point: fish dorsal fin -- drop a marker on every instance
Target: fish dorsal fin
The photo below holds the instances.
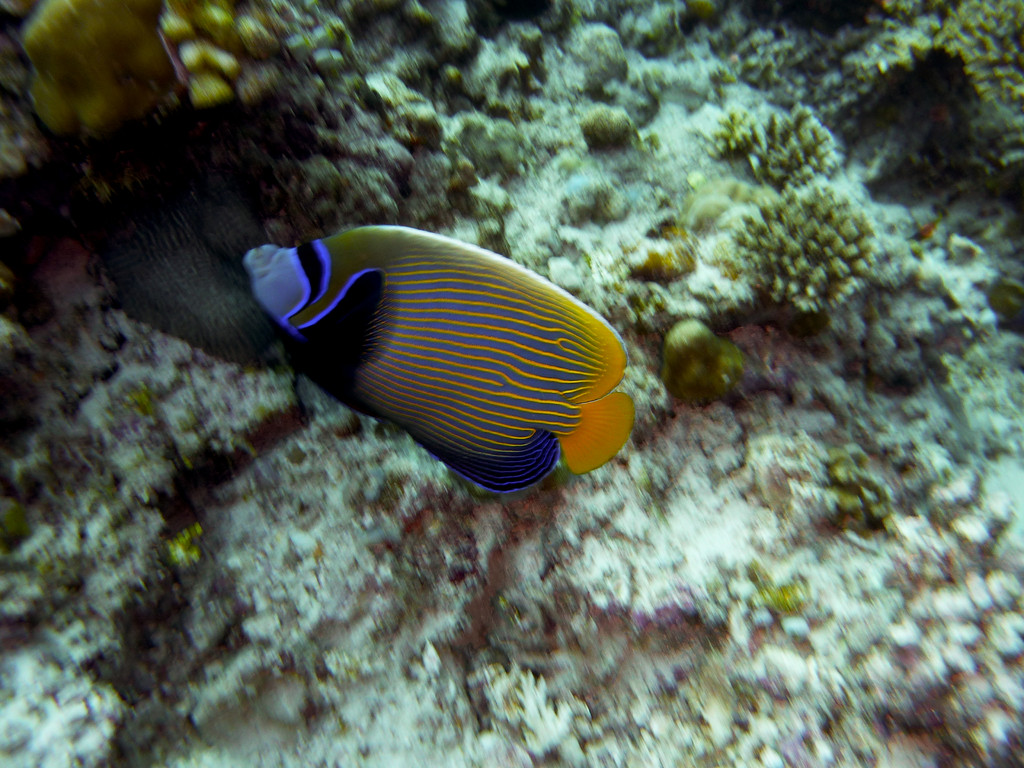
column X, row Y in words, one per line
column 607, row 355
column 604, row 427
column 590, row 335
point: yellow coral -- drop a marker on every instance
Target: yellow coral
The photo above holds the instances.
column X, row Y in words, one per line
column 667, row 259
column 201, row 56
column 176, row 28
column 697, row 365
column 257, row 40
column 98, row 63
column 183, row 550
column 213, row 19
column 211, row 42
column 208, row 89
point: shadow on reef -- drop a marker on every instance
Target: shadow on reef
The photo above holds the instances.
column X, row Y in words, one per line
column 169, row 221
column 931, row 109
column 827, row 16
column 178, row 268
column 488, row 15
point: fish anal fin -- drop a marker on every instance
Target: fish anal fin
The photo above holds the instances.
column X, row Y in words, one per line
column 505, row 473
column 604, row 427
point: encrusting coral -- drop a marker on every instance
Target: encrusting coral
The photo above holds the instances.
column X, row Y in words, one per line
column 606, row 127
column 713, row 203
column 861, row 498
column 666, row 258
column 98, row 63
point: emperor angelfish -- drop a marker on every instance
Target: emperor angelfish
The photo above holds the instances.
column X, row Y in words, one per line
column 491, row 368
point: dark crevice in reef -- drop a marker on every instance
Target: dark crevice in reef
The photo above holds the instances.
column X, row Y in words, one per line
column 151, row 672
column 931, row 109
column 196, row 485
column 826, row 16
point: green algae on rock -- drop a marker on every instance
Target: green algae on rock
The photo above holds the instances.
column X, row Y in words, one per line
column 606, row 127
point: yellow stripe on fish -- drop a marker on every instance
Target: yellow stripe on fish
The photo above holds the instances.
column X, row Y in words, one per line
column 486, row 364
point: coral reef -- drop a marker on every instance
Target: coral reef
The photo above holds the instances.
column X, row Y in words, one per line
column 664, row 259
column 211, row 36
column 605, row 127
column 717, row 202
column 1007, row 300
column 521, row 704
column 209, row 562
column 601, row 56
column 862, row 501
column 785, row 150
column 985, row 37
column 22, row 145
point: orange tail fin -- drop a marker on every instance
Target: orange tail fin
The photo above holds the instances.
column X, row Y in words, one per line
column 604, row 427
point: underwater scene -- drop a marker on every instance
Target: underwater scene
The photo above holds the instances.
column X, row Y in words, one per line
column 496, row 384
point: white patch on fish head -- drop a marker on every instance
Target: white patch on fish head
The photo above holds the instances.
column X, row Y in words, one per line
column 278, row 281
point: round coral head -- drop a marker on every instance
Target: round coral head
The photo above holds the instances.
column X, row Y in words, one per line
column 98, row 63
column 698, row 365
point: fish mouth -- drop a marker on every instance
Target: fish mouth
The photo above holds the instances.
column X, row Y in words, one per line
column 258, row 262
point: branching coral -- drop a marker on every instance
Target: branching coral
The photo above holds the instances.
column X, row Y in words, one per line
column 987, row 37
column 737, row 132
column 785, row 150
column 521, row 704
column 210, row 37
column 794, row 148
column 808, row 248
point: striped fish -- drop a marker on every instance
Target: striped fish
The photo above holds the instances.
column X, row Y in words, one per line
column 491, row 368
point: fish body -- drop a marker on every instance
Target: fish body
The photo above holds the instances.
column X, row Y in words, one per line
column 491, row 368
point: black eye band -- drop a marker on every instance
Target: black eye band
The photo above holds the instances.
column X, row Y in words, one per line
column 312, row 266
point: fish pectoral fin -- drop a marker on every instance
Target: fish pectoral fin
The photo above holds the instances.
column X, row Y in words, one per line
column 604, row 427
